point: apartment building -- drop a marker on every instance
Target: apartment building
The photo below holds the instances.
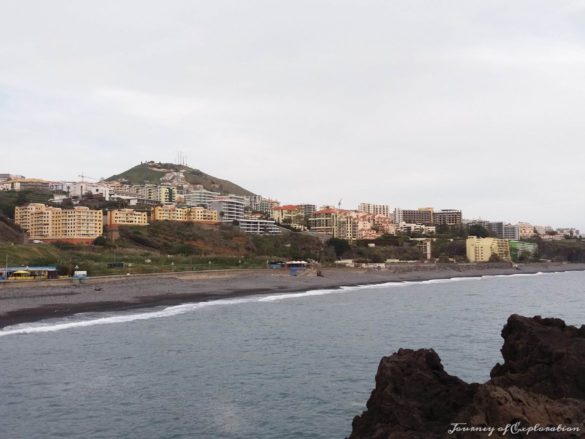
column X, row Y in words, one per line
column 422, row 216
column 255, row 226
column 202, row 215
column 4, row 177
column 447, row 217
column 81, row 188
column 55, row 224
column 171, row 212
column 152, row 192
column 346, row 226
column 230, row 207
column 525, row 230
column 126, row 217
column 201, row 197
column 416, row 228
column 482, row 249
column 307, row 209
column 24, row 184
column 511, row 232
column 324, row 220
column 287, row 214
column 374, row 209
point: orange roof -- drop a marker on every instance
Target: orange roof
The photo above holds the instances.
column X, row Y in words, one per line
column 286, row 207
column 332, row 211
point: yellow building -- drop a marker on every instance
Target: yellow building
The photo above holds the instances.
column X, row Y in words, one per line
column 126, row 217
column 202, row 215
column 482, row 249
column 55, row 224
column 184, row 214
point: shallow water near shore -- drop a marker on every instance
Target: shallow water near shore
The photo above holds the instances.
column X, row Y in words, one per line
column 294, row 365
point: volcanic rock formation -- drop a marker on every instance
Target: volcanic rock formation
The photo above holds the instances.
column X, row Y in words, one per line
column 540, row 386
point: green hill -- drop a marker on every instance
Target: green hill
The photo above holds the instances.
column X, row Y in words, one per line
column 152, row 173
column 10, row 232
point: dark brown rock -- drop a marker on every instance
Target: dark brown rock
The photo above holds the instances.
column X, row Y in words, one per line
column 541, row 383
column 408, row 385
column 544, row 356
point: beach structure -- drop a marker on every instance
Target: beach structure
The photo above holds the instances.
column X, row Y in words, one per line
column 28, row 273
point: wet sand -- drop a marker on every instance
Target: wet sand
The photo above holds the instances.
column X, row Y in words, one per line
column 31, row 301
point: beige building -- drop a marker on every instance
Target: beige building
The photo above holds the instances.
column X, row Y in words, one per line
column 55, row 224
column 350, row 225
column 288, row 214
column 185, row 214
column 325, row 220
column 202, row 215
column 374, row 209
column 526, row 230
column 482, row 249
column 126, row 217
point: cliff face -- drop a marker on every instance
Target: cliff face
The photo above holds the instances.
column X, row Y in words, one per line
column 542, row 382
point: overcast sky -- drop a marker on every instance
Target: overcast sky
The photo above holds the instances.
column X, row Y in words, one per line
column 477, row 105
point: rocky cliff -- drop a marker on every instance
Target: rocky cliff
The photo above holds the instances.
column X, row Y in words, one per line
column 539, row 391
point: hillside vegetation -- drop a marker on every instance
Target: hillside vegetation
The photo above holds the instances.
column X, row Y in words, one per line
column 152, row 173
column 166, row 246
column 10, row 199
column 10, row 232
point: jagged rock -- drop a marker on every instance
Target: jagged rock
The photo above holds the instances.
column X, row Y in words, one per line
column 540, row 383
column 544, row 356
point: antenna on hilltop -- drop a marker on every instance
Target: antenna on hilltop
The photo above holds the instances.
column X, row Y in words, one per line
column 181, row 159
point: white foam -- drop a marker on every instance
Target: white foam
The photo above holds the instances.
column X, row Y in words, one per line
column 297, row 295
column 42, row 327
column 125, row 318
column 539, row 273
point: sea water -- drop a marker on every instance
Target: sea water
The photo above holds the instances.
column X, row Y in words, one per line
column 297, row 365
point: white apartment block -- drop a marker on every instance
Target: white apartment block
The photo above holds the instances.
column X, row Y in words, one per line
column 255, row 226
column 230, row 207
column 81, row 188
column 201, row 197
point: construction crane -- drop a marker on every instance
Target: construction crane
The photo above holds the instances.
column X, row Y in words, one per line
column 339, row 204
column 83, row 177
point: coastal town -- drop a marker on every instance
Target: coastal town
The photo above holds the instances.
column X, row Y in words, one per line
column 90, row 211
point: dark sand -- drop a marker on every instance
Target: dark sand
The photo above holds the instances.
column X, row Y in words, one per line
column 35, row 300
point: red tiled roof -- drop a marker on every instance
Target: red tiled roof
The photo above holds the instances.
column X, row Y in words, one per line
column 286, row 207
column 332, row 211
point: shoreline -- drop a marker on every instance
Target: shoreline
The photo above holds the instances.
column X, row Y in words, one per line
column 33, row 301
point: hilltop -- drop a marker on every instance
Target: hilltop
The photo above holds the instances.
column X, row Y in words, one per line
column 156, row 173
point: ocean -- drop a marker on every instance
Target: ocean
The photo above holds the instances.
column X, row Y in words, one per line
column 289, row 366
